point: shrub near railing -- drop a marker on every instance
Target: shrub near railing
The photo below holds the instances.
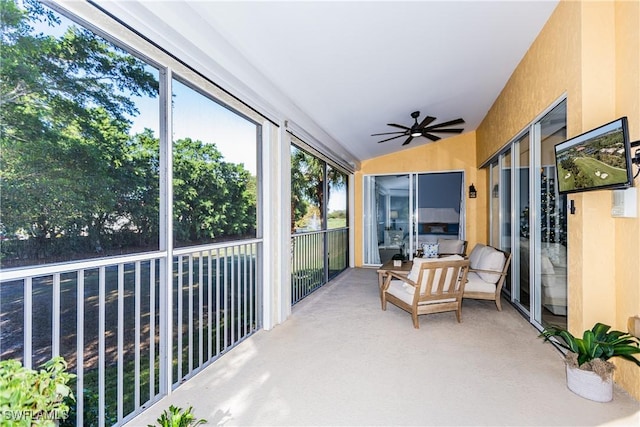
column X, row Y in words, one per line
column 19, row 253
column 29, row 397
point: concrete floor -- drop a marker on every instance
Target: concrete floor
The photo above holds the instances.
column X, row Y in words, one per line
column 341, row 361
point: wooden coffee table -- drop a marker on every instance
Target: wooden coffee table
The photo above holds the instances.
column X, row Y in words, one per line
column 388, row 266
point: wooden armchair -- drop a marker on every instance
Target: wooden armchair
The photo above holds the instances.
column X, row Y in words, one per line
column 434, row 285
column 488, row 270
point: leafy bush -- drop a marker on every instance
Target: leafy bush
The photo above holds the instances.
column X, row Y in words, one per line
column 29, row 397
column 178, row 417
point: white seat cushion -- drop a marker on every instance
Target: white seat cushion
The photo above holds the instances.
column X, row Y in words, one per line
column 401, row 290
column 476, row 284
column 404, row 292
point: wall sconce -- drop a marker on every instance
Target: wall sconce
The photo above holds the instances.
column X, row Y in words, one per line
column 472, row 192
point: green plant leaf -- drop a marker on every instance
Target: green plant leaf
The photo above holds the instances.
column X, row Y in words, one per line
column 598, row 343
column 178, row 417
column 600, row 330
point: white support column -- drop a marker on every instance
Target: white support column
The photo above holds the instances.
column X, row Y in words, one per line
column 269, row 267
column 352, row 221
column 166, row 233
column 276, row 277
column 284, row 225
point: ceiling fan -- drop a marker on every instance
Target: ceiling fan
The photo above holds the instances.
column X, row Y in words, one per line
column 421, row 129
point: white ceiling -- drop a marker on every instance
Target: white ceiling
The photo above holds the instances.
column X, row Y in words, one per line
column 346, row 68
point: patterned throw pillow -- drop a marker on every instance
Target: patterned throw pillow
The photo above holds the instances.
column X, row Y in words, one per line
column 430, row 250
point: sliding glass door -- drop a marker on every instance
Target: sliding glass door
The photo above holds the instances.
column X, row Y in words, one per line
column 551, row 229
column 403, row 211
column 387, row 218
column 528, row 219
column 439, row 207
column 505, row 211
column 522, row 233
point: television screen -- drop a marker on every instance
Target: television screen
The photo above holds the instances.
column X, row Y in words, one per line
column 596, row 160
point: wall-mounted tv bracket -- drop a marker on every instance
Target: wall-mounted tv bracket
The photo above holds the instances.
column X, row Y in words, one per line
column 636, row 156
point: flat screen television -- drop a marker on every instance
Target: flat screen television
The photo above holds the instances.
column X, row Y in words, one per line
column 596, row 160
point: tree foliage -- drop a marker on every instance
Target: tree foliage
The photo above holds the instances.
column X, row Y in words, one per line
column 210, row 194
column 307, row 185
column 73, row 176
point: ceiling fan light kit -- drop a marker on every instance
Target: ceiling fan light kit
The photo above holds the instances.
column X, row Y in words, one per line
column 421, row 129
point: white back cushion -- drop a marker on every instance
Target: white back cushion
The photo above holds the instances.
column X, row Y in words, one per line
column 450, row 246
column 493, row 260
column 417, row 265
column 476, row 253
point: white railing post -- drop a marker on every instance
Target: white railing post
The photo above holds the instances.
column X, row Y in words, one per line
column 28, row 322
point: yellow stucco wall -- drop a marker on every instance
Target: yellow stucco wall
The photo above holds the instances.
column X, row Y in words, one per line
column 627, row 237
column 452, row 154
column 589, row 51
column 550, row 68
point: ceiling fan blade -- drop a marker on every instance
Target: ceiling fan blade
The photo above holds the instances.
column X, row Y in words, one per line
column 449, row 123
column 389, row 139
column 426, row 121
column 431, row 137
column 408, row 140
column 454, row 130
column 387, row 133
column 397, row 126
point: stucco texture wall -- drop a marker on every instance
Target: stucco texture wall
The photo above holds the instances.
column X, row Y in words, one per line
column 627, row 231
column 590, row 52
column 451, row 154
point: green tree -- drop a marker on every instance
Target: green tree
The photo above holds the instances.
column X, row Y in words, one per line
column 64, row 108
column 212, row 198
column 307, row 184
column 68, row 163
column 569, row 165
column 140, row 201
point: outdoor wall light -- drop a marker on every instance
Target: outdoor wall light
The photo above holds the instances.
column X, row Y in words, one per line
column 472, row 192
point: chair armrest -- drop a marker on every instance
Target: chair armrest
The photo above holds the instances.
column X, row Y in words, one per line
column 476, row 270
column 393, row 274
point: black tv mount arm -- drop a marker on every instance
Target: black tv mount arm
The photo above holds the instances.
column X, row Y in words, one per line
column 636, row 156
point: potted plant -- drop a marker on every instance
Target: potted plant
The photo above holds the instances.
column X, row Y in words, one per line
column 178, row 417
column 589, row 371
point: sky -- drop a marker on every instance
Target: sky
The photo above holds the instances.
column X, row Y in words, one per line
column 200, row 118
column 194, row 115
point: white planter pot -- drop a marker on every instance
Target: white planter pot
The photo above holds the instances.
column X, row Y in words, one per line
column 589, row 385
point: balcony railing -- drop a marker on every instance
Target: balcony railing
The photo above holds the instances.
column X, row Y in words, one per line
column 316, row 257
column 109, row 318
